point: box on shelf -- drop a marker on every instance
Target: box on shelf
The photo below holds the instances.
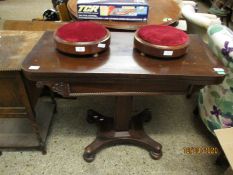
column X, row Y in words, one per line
column 124, row 10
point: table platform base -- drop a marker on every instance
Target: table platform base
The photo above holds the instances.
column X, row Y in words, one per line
column 108, row 136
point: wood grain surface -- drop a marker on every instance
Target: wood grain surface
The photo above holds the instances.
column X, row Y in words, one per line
column 123, row 63
column 14, row 47
column 31, row 25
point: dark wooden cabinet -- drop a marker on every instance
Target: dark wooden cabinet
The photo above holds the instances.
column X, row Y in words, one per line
column 22, row 125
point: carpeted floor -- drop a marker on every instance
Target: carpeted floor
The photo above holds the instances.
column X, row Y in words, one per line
column 173, row 125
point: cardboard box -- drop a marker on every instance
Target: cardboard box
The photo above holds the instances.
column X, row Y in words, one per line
column 124, row 10
column 225, row 138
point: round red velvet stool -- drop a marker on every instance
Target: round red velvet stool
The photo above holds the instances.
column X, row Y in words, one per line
column 161, row 41
column 82, row 38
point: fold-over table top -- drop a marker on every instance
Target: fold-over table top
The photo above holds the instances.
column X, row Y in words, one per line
column 122, row 62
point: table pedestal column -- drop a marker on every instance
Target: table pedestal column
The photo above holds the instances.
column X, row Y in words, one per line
column 122, row 129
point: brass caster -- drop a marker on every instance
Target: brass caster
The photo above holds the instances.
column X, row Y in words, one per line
column 155, row 155
column 88, row 157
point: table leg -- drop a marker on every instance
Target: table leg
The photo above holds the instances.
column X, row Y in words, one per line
column 122, row 129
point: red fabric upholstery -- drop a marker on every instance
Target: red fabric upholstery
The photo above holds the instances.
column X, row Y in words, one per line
column 162, row 35
column 81, row 32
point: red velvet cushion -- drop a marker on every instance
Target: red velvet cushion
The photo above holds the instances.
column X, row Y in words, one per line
column 81, row 32
column 162, row 35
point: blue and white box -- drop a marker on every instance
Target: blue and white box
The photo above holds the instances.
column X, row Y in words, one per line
column 124, row 10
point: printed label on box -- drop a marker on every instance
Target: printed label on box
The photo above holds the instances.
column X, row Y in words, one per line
column 127, row 10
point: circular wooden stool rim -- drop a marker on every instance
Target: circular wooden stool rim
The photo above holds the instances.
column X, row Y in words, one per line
column 144, row 46
column 160, row 46
column 60, row 40
column 86, row 48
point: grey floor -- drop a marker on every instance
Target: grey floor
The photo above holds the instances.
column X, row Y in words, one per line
column 173, row 125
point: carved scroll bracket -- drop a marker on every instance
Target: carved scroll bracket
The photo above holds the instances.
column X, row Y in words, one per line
column 61, row 88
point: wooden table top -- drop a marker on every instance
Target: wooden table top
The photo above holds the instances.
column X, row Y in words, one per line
column 158, row 11
column 122, row 62
column 14, row 47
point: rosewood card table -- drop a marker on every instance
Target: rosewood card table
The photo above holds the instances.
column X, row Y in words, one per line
column 122, row 72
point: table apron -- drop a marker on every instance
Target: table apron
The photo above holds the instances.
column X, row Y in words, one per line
column 72, row 89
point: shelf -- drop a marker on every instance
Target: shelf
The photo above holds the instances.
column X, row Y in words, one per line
column 17, row 133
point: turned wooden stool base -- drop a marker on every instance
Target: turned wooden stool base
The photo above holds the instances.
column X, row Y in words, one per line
column 160, row 51
column 81, row 48
column 108, row 136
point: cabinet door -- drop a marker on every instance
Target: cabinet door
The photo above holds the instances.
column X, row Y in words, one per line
column 11, row 95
